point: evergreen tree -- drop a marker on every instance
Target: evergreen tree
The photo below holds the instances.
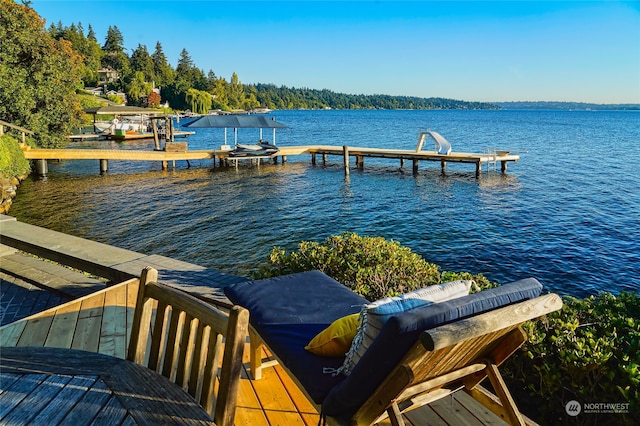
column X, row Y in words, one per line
column 114, row 54
column 220, row 99
column 114, row 41
column 91, row 35
column 38, row 77
column 141, row 62
column 235, row 93
column 92, row 56
column 162, row 71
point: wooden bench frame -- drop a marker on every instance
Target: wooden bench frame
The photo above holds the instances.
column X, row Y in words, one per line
column 187, row 341
column 448, row 358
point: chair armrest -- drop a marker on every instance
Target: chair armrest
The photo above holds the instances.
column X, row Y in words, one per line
column 508, row 316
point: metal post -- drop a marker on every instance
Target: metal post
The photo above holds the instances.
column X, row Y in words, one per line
column 104, row 166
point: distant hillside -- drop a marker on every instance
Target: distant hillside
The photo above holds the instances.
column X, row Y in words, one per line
column 283, row 97
column 565, row 105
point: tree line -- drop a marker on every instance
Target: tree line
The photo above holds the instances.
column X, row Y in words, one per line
column 189, row 87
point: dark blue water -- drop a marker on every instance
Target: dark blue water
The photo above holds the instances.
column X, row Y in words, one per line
column 568, row 213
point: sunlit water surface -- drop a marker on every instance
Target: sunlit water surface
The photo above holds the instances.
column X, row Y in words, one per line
column 568, row 213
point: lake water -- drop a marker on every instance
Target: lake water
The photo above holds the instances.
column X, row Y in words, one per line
column 567, row 213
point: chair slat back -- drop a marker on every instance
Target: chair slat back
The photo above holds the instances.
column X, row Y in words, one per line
column 189, row 342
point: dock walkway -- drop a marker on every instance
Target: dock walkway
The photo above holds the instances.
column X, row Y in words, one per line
column 104, row 155
column 111, row 263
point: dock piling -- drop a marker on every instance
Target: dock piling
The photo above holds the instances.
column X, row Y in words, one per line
column 104, row 166
column 345, row 153
column 42, row 169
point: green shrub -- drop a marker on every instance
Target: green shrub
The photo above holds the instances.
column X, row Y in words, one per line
column 587, row 352
column 12, row 161
column 370, row 266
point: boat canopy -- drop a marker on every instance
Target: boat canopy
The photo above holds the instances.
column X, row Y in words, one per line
column 121, row 110
column 235, row 122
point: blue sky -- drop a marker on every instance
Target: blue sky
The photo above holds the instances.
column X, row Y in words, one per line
column 471, row 50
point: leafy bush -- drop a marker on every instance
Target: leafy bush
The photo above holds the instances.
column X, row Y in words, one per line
column 12, row 161
column 370, row 266
column 589, row 351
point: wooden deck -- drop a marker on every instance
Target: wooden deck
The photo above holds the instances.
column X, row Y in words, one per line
column 100, row 320
column 101, row 323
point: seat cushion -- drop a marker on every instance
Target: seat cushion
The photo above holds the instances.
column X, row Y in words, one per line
column 401, row 332
column 288, row 311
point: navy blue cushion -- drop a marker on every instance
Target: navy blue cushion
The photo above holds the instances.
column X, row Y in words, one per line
column 401, row 332
column 288, row 311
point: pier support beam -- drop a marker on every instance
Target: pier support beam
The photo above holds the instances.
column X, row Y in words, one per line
column 324, row 159
column 104, row 166
column 478, row 169
column 360, row 162
column 42, row 169
column 401, row 162
column 443, row 166
column 503, row 167
column 415, row 167
column 345, row 153
column 313, row 158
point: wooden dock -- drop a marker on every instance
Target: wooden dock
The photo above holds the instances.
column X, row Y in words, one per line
column 100, row 320
column 346, row 152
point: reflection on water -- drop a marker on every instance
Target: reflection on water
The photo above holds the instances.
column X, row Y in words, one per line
column 571, row 223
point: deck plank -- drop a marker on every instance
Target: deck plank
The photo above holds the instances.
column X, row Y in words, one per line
column 453, row 413
column 87, row 335
column 11, row 333
column 63, row 326
column 275, row 400
column 36, row 331
column 113, row 335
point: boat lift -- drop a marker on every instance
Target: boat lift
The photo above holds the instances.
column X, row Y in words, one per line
column 235, row 122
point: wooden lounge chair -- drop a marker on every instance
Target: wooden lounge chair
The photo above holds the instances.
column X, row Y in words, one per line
column 419, row 356
column 181, row 337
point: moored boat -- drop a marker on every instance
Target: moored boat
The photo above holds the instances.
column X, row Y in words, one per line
column 261, row 149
